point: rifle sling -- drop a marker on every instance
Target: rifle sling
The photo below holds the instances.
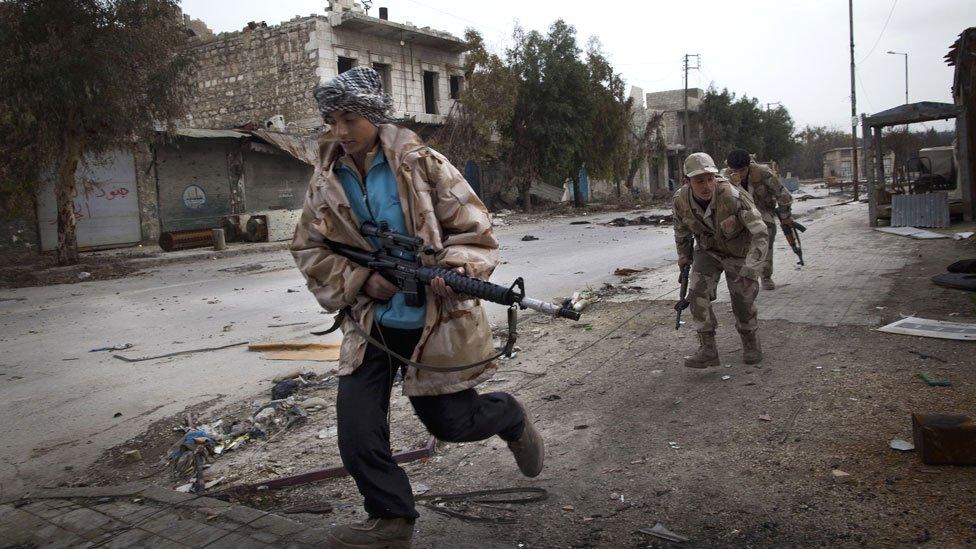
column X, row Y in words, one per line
column 509, row 344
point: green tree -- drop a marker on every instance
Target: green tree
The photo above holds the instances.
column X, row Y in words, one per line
column 552, row 127
column 485, row 105
column 610, row 113
column 729, row 122
column 79, row 78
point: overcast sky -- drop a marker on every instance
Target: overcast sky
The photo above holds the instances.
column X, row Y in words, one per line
column 791, row 51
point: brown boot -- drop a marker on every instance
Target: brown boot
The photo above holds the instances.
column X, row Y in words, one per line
column 768, row 284
column 374, row 533
column 707, row 353
column 751, row 350
column 529, row 450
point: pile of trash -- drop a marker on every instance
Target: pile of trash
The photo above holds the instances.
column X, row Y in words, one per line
column 202, row 443
column 641, row 220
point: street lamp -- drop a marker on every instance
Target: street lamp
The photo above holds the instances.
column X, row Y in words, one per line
column 906, row 71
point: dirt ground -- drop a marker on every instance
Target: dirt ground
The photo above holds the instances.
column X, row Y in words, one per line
column 633, row 438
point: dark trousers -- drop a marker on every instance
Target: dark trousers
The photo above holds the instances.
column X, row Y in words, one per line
column 362, row 409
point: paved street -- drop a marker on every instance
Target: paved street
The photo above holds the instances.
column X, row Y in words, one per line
column 60, row 399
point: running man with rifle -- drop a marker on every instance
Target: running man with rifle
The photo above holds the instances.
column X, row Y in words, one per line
column 772, row 198
column 717, row 229
column 380, row 173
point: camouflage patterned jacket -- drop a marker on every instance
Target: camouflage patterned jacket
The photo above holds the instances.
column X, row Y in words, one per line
column 731, row 226
column 766, row 190
column 438, row 206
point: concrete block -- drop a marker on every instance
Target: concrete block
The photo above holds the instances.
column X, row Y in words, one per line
column 238, row 541
column 165, row 495
column 265, row 537
column 277, row 525
column 312, row 536
column 204, row 536
column 81, row 521
column 242, row 514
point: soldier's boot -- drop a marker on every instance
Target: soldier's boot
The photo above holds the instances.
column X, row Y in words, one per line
column 529, row 450
column 768, row 284
column 751, row 350
column 374, row 533
column 707, row 353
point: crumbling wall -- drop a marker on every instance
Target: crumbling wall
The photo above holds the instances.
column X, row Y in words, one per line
column 252, row 75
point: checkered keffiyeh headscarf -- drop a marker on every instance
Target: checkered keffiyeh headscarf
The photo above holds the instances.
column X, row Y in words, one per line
column 357, row 90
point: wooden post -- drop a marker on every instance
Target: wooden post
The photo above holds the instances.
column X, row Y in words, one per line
column 872, row 195
column 963, row 139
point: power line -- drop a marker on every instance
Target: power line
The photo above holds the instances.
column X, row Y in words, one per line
column 883, row 29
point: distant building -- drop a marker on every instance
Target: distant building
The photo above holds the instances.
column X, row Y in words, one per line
column 837, row 165
column 671, row 104
column 264, row 75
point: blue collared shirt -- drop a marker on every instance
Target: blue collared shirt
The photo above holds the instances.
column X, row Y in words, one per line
column 378, row 199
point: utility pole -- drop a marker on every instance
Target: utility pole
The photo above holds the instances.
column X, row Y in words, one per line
column 684, row 125
column 850, row 8
column 906, row 71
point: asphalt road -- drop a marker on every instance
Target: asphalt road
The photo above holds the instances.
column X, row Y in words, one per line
column 61, row 403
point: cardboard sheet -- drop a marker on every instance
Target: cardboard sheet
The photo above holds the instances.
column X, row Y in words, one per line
column 297, row 350
column 932, row 328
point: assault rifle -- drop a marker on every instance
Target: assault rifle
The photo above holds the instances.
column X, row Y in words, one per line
column 793, row 237
column 397, row 258
column 683, row 302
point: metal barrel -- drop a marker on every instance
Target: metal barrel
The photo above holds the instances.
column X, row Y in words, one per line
column 184, row 240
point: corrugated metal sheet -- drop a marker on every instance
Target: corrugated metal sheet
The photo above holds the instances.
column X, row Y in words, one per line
column 197, row 133
column 194, row 183
column 920, row 210
column 305, row 149
column 106, row 204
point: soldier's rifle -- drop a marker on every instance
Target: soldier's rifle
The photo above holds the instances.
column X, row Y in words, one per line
column 792, row 234
column 397, row 259
column 683, row 302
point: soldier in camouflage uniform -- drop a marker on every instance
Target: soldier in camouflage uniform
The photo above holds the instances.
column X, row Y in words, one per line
column 772, row 199
column 731, row 238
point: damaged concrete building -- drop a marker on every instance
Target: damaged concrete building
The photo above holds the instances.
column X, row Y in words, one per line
column 265, row 75
column 248, row 142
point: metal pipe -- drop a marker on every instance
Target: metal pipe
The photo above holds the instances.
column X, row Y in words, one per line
column 850, row 7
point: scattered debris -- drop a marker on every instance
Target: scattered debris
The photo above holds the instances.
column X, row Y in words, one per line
column 628, row 271
column 659, row 531
column 120, row 347
column 580, row 222
column 420, row 488
column 674, row 445
column 297, row 350
column 931, row 328
column 117, row 414
column 765, row 417
column 934, row 381
column 912, row 232
column 314, row 404
column 943, row 439
column 641, row 220
column 924, row 356
column 178, row 353
column 84, row 275
column 331, row 432
column 963, row 236
column 529, row 238
column 132, row 456
column 726, row 377
column 187, row 488
column 901, row 445
column 291, row 291
column 840, row 476
column 581, row 427
column 288, row 324
column 805, row 197
column 251, row 267
column 286, row 388
column 551, row 398
column 568, row 508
